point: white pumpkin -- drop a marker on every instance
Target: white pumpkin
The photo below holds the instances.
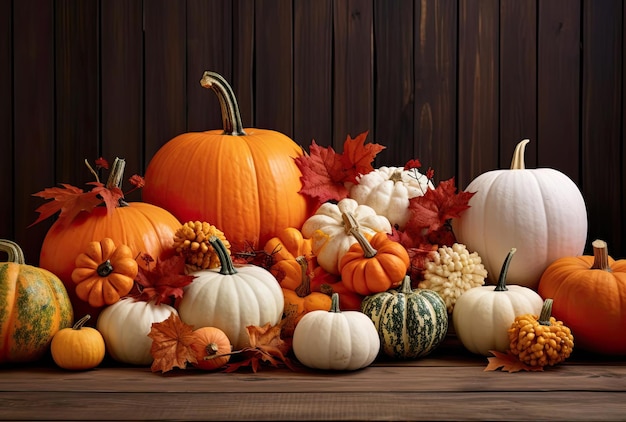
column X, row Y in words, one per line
column 335, row 340
column 232, row 298
column 482, row 315
column 125, row 326
column 540, row 211
column 388, row 190
column 330, row 238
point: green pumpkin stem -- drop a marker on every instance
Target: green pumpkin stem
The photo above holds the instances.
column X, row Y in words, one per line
column 517, row 163
column 501, row 286
column 304, row 289
column 13, row 251
column 600, row 256
column 81, row 322
column 228, row 268
column 352, row 227
column 406, row 287
column 231, row 117
column 334, row 303
column 546, row 312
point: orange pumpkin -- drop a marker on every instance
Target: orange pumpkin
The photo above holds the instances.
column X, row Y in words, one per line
column 375, row 265
column 589, row 296
column 302, row 299
column 211, row 347
column 144, row 228
column 245, row 182
column 284, row 250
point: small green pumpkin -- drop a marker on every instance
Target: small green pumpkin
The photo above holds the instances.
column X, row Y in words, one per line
column 411, row 323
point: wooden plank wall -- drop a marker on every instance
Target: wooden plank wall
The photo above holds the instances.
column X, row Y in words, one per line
column 455, row 83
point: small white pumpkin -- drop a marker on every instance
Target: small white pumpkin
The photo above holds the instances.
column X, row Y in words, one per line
column 125, row 326
column 388, row 190
column 330, row 236
column 541, row 211
column 335, row 340
column 482, row 315
column 232, row 298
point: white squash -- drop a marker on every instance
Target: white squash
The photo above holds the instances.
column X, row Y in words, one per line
column 125, row 326
column 335, row 340
column 231, row 298
column 539, row 211
column 482, row 315
column 331, row 239
column 388, row 190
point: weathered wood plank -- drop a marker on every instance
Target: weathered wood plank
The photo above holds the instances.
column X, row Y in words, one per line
column 312, row 84
column 6, row 119
column 436, row 86
column 518, row 79
column 122, row 88
column 478, row 137
column 243, row 58
column 273, row 26
column 394, row 99
column 601, row 117
column 32, row 161
column 353, row 100
column 165, row 64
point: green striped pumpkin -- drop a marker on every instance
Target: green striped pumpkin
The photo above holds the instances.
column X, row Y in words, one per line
column 411, row 323
column 34, row 305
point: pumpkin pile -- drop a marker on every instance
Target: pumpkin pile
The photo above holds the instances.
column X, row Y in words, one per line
column 316, row 254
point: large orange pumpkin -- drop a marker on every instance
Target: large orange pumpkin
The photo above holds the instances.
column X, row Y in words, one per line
column 34, row 306
column 589, row 296
column 144, row 228
column 243, row 181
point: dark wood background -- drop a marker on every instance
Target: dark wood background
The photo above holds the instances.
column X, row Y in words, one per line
column 455, row 83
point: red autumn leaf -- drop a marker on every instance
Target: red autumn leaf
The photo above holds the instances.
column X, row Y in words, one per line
column 165, row 282
column 432, row 210
column 357, row 157
column 69, row 200
column 508, row 362
column 171, row 344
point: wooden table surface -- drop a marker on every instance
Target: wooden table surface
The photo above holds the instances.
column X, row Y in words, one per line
column 449, row 384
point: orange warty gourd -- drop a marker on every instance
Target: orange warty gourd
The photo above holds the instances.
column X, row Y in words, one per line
column 589, row 296
column 243, row 181
column 34, row 306
column 144, row 228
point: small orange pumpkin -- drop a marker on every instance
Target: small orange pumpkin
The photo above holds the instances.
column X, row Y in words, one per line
column 589, row 296
column 284, row 250
column 375, row 265
column 104, row 273
column 302, row 299
column 211, row 347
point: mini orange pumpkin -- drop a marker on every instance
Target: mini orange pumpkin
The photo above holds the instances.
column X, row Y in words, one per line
column 78, row 348
column 375, row 265
column 302, row 299
column 104, row 273
column 589, row 296
column 211, row 347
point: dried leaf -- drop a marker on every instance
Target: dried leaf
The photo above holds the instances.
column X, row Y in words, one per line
column 357, row 157
column 171, row 344
column 69, row 200
column 508, row 362
column 165, row 282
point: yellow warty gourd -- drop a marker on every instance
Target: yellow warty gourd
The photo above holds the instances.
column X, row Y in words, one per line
column 192, row 242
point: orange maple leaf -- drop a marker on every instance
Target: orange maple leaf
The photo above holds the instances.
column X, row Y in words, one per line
column 357, row 157
column 165, row 281
column 171, row 344
column 69, row 199
column 508, row 362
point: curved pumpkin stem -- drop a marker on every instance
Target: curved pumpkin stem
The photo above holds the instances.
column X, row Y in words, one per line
column 304, row 289
column 81, row 322
column 501, row 286
column 231, row 117
column 352, row 227
column 517, row 163
column 13, row 251
column 227, row 266
column 546, row 312
column 600, row 256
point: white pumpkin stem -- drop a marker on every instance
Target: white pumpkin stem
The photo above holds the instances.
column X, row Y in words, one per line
column 517, row 163
column 600, row 256
column 546, row 313
column 226, row 262
column 334, row 303
column 81, row 322
column 13, row 251
column 304, row 289
column 352, row 227
column 501, row 286
column 231, row 117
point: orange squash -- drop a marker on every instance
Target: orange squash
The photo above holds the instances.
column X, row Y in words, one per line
column 375, row 265
column 34, row 306
column 589, row 296
column 243, row 181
